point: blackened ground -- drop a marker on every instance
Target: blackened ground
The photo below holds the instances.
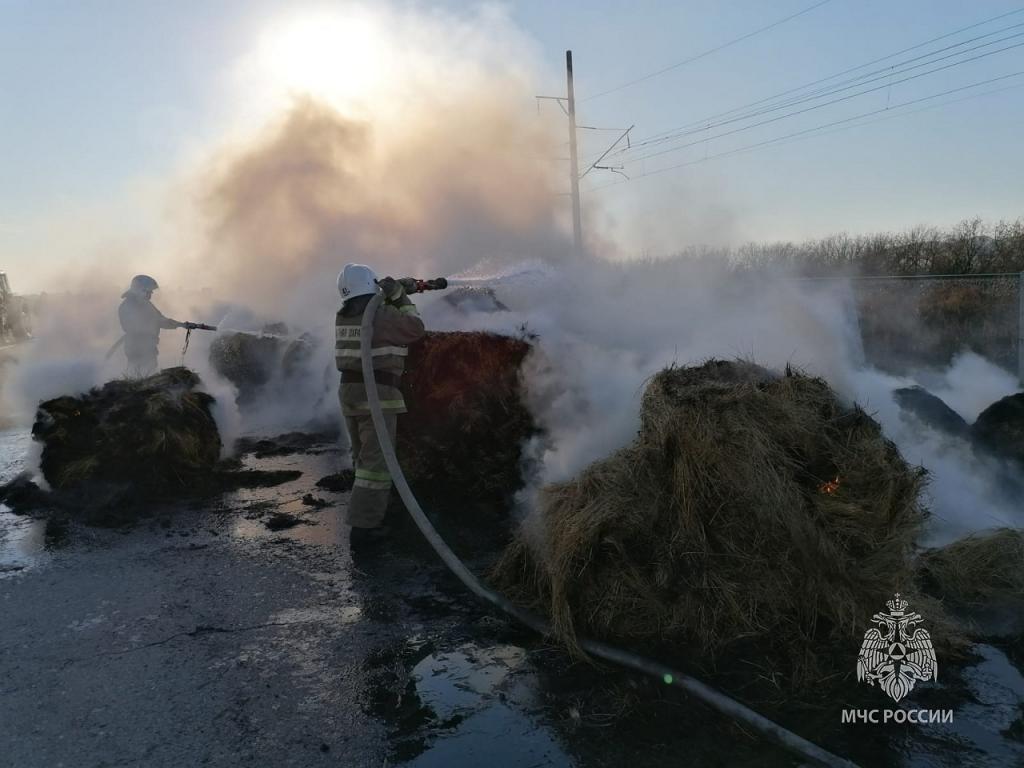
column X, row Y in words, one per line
column 200, row 637
column 285, row 444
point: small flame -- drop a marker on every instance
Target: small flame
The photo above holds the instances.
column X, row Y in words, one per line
column 830, row 486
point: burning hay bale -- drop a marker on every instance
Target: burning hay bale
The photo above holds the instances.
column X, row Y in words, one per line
column 753, row 511
column 999, row 429
column 110, row 453
column 249, row 360
column 156, row 432
column 979, row 569
column 462, row 437
column 129, row 439
column 268, row 363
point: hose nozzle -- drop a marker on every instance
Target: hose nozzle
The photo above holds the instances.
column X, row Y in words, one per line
column 416, row 285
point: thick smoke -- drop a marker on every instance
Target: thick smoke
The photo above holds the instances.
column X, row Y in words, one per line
column 969, row 491
column 320, row 190
column 605, row 328
column 447, row 167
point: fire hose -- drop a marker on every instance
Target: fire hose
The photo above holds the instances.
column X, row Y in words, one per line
column 710, row 696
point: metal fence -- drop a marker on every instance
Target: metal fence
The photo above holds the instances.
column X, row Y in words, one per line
column 914, row 320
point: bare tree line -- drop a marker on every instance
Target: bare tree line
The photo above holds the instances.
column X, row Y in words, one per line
column 971, row 247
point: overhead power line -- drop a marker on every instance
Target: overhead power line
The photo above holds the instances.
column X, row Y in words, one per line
column 796, row 90
column 824, row 130
column 819, row 106
column 807, row 132
column 706, row 53
column 769, row 104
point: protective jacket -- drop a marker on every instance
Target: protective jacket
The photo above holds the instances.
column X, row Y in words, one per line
column 396, row 325
column 141, row 323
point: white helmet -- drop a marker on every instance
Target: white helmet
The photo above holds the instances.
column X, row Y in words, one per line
column 142, row 284
column 356, row 280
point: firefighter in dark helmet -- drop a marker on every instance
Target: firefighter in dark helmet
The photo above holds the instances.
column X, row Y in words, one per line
column 142, row 323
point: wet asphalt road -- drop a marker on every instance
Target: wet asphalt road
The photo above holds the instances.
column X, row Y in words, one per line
column 180, row 647
column 201, row 637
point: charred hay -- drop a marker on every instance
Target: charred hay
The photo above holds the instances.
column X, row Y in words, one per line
column 287, row 444
column 461, row 440
column 755, row 515
column 339, row 482
column 112, row 452
column 157, row 433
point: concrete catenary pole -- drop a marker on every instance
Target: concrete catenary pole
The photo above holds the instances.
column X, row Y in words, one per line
column 574, row 168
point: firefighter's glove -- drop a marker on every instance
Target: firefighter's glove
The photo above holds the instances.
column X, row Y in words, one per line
column 393, row 289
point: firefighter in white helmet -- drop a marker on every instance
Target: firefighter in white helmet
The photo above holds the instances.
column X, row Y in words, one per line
column 141, row 323
column 396, row 325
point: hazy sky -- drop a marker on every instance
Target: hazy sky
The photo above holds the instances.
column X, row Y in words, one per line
column 99, row 99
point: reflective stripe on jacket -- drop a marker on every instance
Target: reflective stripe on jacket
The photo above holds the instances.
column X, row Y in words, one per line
column 394, row 328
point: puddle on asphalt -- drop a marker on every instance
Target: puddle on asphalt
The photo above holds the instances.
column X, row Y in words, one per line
column 23, row 543
column 986, row 698
column 983, row 725
column 469, row 706
column 488, row 706
column 316, row 525
column 16, row 447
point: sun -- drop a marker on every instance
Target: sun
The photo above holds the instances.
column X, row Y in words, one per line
column 342, row 56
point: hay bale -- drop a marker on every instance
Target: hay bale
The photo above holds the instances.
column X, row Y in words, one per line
column 248, row 360
column 932, row 411
column 751, row 510
column 109, row 454
column 999, row 429
column 155, row 435
column 461, row 440
column 978, row 569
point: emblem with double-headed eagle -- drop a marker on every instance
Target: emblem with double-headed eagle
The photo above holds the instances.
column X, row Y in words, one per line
column 893, row 657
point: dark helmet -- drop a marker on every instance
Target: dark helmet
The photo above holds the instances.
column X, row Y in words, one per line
column 143, row 284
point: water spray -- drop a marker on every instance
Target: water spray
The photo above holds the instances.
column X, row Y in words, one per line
column 264, row 335
column 417, row 285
